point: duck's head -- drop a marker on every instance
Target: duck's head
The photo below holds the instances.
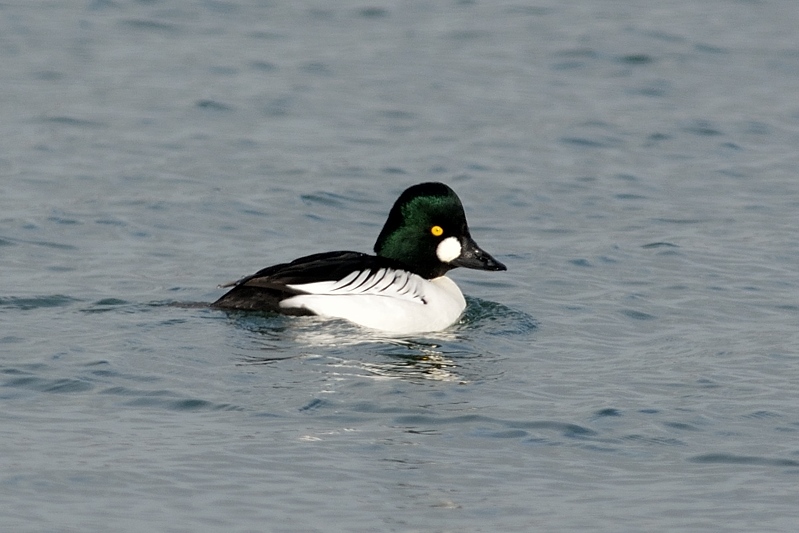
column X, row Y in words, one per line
column 427, row 231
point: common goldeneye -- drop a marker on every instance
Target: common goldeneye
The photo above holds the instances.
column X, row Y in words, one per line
column 400, row 290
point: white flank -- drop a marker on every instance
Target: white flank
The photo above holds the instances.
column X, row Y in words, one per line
column 449, row 249
column 389, row 300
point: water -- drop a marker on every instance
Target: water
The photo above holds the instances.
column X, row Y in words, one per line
column 633, row 164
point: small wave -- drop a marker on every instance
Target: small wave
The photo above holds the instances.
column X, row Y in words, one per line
column 150, row 25
column 37, row 302
column 659, row 244
column 61, row 385
column 184, row 404
column 751, row 460
column 165, row 399
column 327, row 199
column 106, row 304
column 637, row 315
column 608, row 412
column 45, row 244
column 213, row 105
column 74, row 121
column 498, row 428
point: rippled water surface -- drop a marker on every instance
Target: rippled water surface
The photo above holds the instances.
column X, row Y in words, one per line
column 634, row 164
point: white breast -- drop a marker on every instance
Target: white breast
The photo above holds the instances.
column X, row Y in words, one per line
column 388, row 300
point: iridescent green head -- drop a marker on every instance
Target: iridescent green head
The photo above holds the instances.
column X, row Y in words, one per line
column 427, row 231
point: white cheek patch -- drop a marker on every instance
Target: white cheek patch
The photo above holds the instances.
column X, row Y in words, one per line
column 448, row 250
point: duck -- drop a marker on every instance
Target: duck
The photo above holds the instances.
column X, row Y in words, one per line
column 401, row 289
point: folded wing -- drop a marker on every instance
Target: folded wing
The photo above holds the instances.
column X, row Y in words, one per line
column 329, row 274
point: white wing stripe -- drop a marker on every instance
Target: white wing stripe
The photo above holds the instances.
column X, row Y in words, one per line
column 366, row 276
column 388, row 279
column 357, row 280
column 404, row 289
column 349, row 278
column 378, row 276
column 382, row 282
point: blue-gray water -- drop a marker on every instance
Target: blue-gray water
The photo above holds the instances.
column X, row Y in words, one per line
column 634, row 164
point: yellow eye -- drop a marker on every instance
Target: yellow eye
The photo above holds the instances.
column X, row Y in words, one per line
column 437, row 231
